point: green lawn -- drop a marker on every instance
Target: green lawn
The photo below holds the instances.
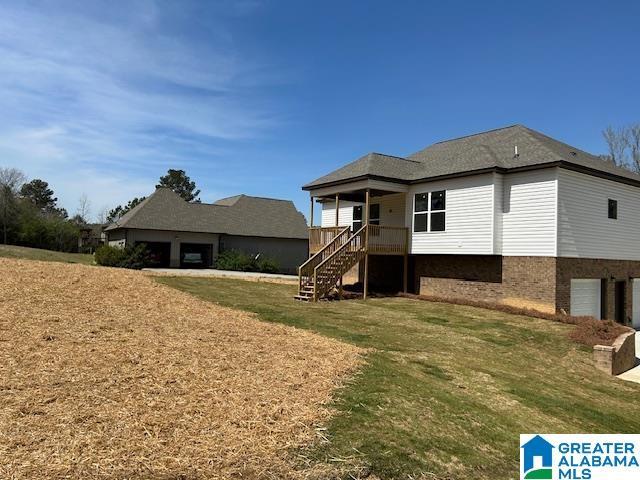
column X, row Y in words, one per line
column 14, row 251
column 448, row 389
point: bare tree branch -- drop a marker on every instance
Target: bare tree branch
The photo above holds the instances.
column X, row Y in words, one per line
column 633, row 142
column 84, row 209
column 617, row 143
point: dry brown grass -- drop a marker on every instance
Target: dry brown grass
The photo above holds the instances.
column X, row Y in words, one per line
column 106, row 374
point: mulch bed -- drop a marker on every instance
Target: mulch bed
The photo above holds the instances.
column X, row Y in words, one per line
column 106, row 374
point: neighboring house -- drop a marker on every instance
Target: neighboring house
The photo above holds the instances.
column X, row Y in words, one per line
column 509, row 215
column 182, row 234
column 91, row 237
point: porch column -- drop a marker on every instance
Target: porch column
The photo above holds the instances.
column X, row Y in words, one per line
column 337, row 224
column 311, row 213
column 366, row 245
column 405, row 267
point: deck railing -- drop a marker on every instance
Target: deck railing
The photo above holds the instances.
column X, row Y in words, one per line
column 321, row 236
column 327, row 273
column 383, row 240
column 305, row 271
column 387, row 240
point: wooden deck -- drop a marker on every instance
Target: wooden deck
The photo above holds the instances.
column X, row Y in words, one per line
column 381, row 240
column 335, row 250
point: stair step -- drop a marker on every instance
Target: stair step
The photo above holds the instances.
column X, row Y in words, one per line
column 302, row 298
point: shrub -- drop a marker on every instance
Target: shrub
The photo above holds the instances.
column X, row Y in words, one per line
column 136, row 257
column 243, row 262
column 268, row 265
column 109, row 256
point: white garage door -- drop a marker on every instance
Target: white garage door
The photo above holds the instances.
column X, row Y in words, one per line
column 635, row 299
column 585, row 297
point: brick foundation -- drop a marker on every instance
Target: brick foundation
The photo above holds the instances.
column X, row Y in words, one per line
column 541, row 283
column 609, row 271
column 525, row 282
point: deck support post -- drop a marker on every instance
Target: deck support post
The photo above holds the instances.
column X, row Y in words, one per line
column 405, row 279
column 338, row 224
column 311, row 213
column 366, row 245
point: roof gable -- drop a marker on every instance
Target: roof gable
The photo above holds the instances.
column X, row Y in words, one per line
column 244, row 215
column 494, row 149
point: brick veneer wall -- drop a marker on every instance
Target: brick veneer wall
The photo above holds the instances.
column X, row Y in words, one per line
column 610, row 270
column 528, row 282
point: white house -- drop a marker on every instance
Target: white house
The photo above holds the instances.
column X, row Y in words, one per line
column 509, row 215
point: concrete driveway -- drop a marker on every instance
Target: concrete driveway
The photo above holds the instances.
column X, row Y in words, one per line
column 210, row 272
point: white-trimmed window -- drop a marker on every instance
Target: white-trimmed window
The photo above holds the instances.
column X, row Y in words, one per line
column 429, row 211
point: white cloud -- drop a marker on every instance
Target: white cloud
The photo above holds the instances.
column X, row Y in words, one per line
column 93, row 99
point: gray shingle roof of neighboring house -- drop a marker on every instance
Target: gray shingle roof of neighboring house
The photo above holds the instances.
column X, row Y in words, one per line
column 240, row 215
column 482, row 151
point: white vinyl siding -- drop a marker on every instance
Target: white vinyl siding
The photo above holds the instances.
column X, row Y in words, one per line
column 392, row 211
column 345, row 216
column 529, row 219
column 498, row 208
column 469, row 217
column 586, row 297
column 584, row 227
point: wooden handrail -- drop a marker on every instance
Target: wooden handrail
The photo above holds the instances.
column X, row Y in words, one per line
column 306, row 269
column 321, row 236
column 387, row 240
column 320, row 273
column 343, row 246
column 329, row 271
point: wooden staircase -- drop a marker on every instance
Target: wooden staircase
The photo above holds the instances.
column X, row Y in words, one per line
column 319, row 275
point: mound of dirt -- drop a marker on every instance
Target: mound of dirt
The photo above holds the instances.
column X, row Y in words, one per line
column 106, row 374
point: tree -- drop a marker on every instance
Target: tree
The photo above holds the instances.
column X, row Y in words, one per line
column 180, row 183
column 617, row 142
column 11, row 180
column 40, row 195
column 633, row 141
column 116, row 213
column 84, row 209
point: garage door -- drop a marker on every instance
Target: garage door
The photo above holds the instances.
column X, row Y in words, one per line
column 635, row 299
column 585, row 297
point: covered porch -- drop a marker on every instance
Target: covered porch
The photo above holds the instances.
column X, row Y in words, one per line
column 368, row 212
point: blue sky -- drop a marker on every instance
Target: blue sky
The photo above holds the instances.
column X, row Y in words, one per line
column 261, row 97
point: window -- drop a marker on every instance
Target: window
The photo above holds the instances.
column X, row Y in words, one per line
column 613, row 209
column 429, row 211
column 374, row 216
column 357, row 218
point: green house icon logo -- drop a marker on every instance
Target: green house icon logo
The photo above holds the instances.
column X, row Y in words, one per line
column 537, row 459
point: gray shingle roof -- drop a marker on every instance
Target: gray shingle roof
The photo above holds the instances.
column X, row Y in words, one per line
column 486, row 150
column 240, row 215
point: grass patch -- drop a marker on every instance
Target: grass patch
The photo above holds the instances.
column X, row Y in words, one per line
column 448, row 388
column 15, row 251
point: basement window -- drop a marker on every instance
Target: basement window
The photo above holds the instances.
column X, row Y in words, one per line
column 613, row 209
column 429, row 211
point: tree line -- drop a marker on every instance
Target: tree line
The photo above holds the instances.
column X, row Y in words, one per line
column 624, row 146
column 30, row 214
